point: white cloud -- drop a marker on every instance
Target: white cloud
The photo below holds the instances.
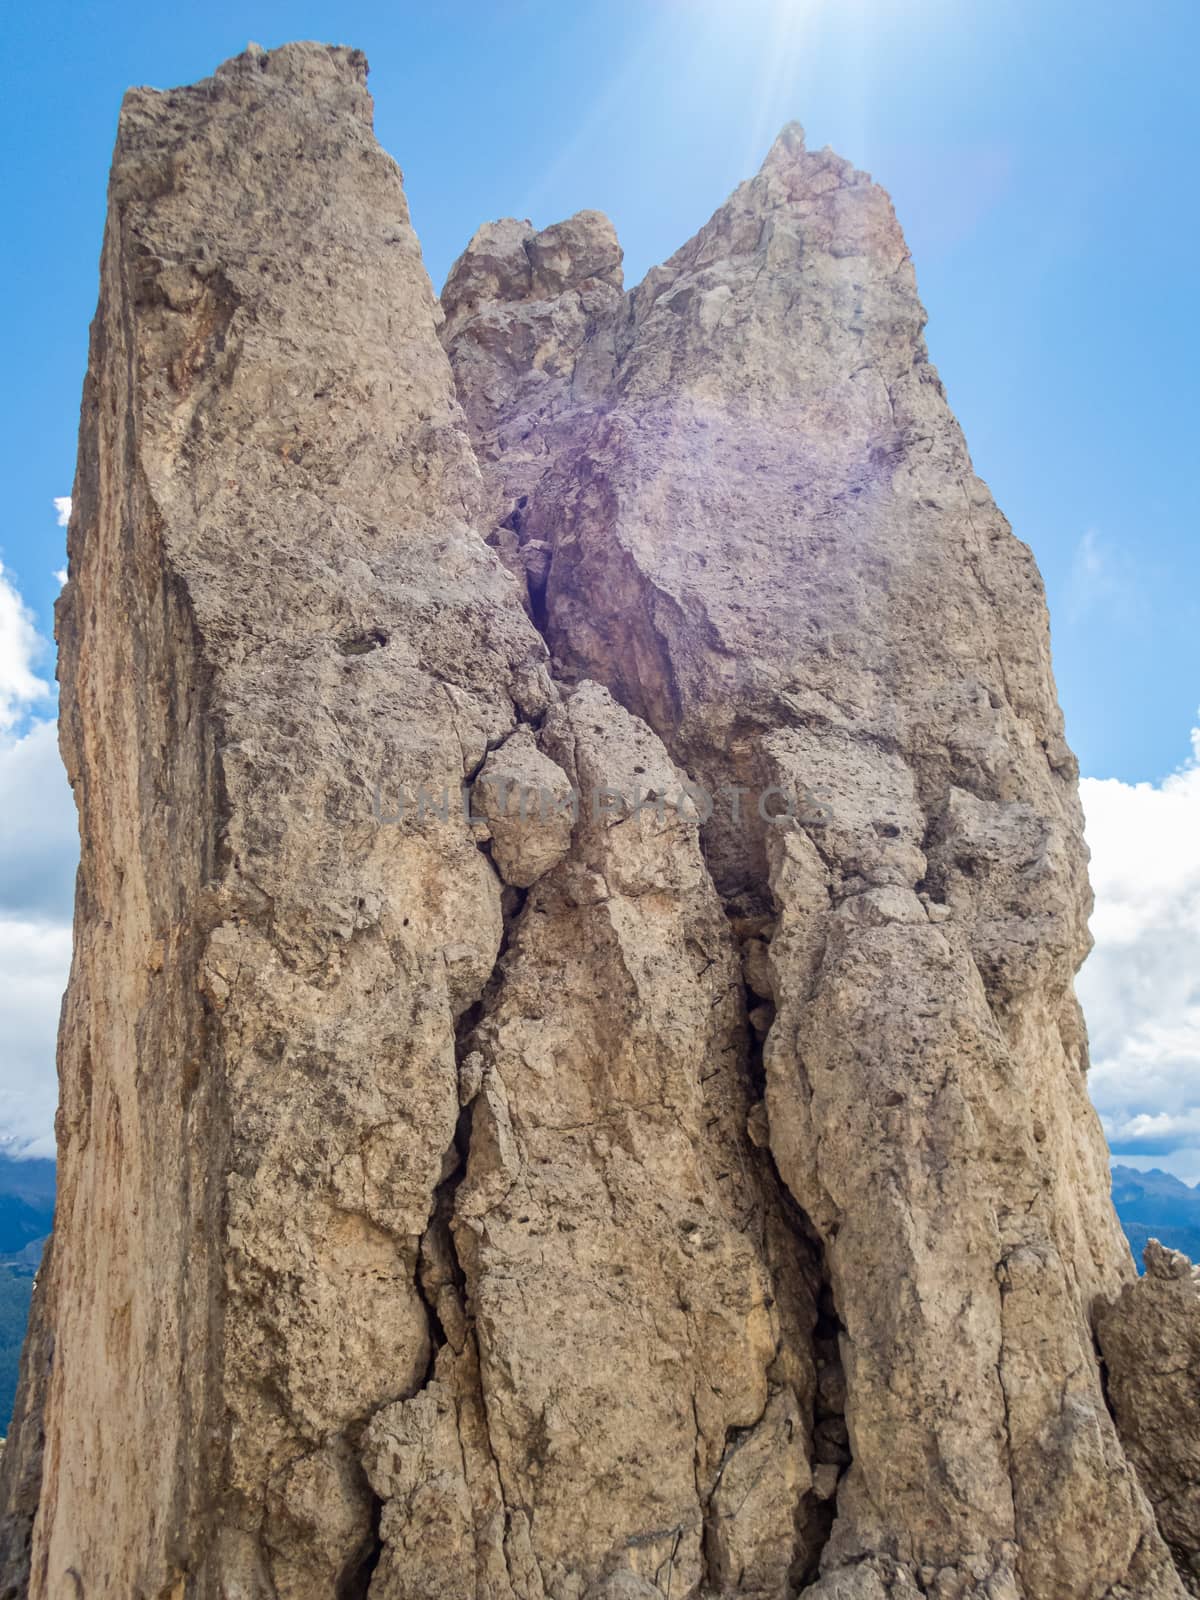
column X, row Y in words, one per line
column 1140, row 987
column 61, row 574
column 35, row 958
column 62, row 506
column 39, row 841
column 1155, row 1133
column 20, row 647
column 38, row 850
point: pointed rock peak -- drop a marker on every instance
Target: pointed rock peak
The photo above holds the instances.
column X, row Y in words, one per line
column 792, row 171
column 789, row 144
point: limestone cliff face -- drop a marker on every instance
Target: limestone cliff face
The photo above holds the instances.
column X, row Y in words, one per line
column 668, row 1172
column 277, row 602
column 755, row 520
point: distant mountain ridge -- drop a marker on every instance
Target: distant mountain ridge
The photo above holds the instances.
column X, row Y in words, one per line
column 26, row 1216
column 26, row 1202
column 30, row 1178
column 1157, row 1205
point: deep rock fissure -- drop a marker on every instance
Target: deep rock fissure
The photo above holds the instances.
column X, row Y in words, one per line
column 829, row 1440
column 439, row 1233
column 356, row 1584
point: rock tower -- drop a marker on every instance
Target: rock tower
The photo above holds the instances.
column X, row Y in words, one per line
column 571, row 1087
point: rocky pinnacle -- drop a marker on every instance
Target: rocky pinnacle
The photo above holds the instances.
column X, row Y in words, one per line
column 571, row 1087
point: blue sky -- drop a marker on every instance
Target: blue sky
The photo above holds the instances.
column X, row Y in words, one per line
column 1041, row 156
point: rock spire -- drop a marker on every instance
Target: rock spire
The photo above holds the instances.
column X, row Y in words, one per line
column 571, row 1083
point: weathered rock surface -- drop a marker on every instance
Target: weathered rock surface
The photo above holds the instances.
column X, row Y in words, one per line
column 766, row 538
column 627, row 1376
column 566, row 1189
column 530, row 323
column 1150, row 1340
column 277, row 603
column 617, row 1232
column 529, row 807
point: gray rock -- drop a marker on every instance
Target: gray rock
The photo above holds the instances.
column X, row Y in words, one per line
column 1150, row 1339
column 425, row 1237
column 280, row 603
column 530, row 808
column 768, row 541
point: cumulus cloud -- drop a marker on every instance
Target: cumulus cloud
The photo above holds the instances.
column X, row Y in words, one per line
column 62, row 507
column 20, row 648
column 35, row 957
column 1140, row 987
column 38, row 850
column 38, row 836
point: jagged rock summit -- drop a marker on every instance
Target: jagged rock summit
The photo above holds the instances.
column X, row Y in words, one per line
column 571, row 1085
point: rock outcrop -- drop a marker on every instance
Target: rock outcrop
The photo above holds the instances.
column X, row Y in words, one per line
column 1150, row 1340
column 278, row 607
column 765, row 536
column 571, row 1086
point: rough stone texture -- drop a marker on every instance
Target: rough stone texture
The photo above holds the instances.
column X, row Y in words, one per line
column 527, row 803
column 616, row 1231
column 621, row 1395
column 766, row 538
column 530, row 321
column 1150, row 1340
column 629, row 1202
column 277, row 602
